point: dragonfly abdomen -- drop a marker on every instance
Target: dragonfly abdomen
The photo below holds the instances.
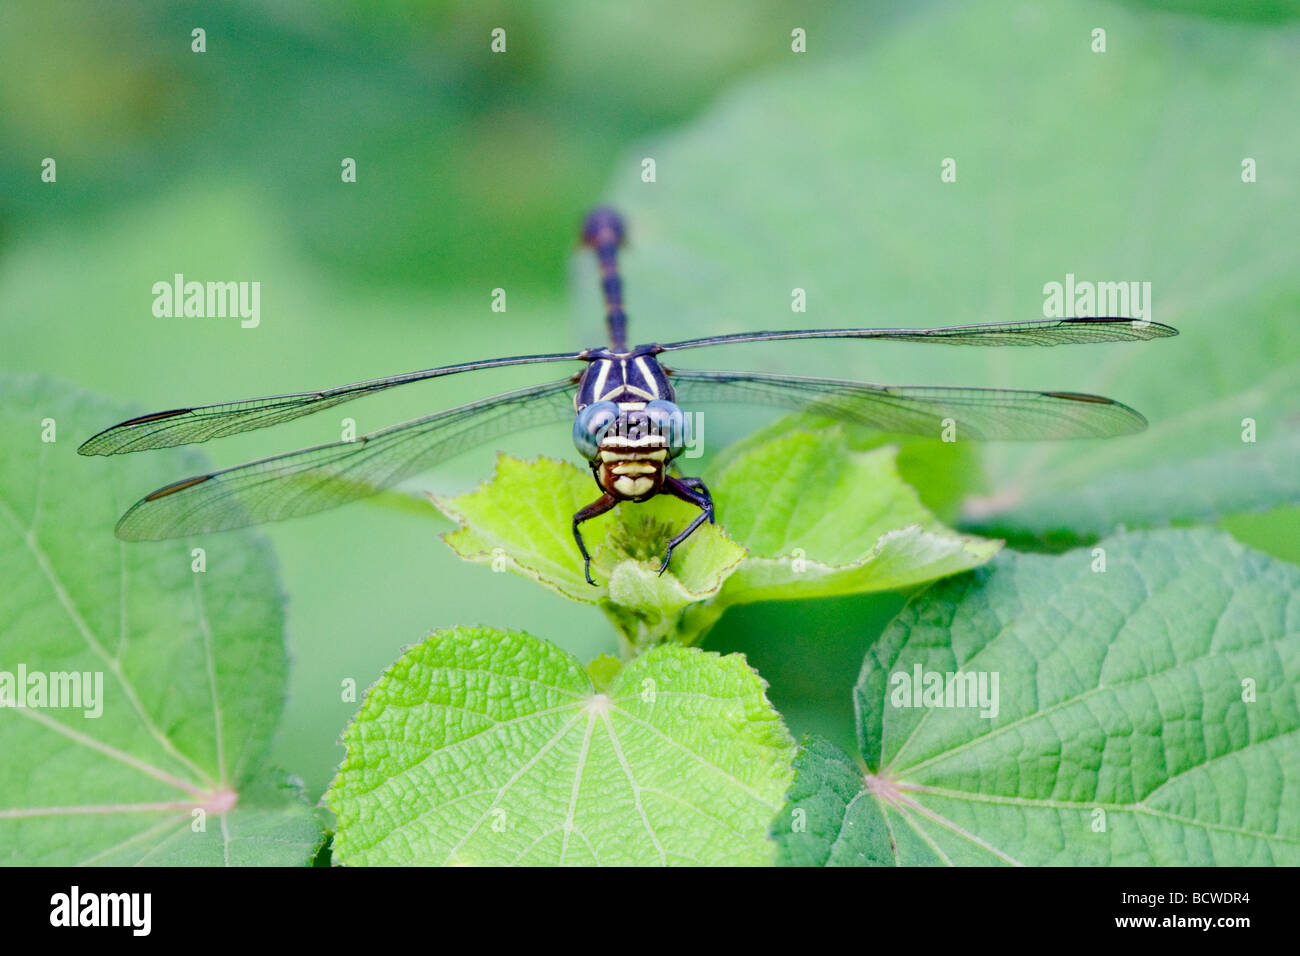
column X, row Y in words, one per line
column 603, row 232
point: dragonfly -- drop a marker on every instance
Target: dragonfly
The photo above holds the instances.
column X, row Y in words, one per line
column 627, row 421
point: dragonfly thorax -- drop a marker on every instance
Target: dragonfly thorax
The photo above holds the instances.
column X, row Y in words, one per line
column 632, row 377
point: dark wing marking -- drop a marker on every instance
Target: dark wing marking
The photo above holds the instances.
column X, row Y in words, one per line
column 326, row 476
column 979, row 413
column 1046, row 332
column 184, row 426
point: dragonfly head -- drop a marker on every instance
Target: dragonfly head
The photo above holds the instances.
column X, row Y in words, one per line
column 629, row 447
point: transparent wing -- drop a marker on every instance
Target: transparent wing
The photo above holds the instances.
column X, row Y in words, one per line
column 978, row 413
column 1046, row 332
column 326, row 476
column 184, row 426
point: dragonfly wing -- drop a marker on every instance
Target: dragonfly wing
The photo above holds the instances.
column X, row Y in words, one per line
column 978, row 413
column 184, row 426
column 1045, row 332
column 326, row 476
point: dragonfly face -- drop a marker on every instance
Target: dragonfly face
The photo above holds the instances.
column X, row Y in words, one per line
column 628, row 425
column 629, row 445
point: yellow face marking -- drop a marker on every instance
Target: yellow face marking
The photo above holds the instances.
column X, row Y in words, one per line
column 634, row 468
column 654, row 454
column 633, row 487
column 645, row 445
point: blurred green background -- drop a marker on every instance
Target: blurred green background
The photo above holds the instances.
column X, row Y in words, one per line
column 473, row 170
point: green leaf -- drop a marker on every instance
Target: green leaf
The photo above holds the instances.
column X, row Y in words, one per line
column 1142, row 715
column 521, row 521
column 1049, row 183
column 1275, row 532
column 489, row 747
column 815, row 519
column 941, row 473
column 187, row 669
column 819, row 520
column 830, row 819
column 603, row 670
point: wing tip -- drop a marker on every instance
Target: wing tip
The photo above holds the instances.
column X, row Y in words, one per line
column 1154, row 330
column 1135, row 421
column 124, row 530
column 1131, row 419
column 129, row 529
column 98, row 445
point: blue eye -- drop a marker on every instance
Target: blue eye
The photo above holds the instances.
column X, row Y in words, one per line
column 669, row 421
column 589, row 424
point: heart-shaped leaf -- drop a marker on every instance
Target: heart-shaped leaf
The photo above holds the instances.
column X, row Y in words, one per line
column 141, row 684
column 1131, row 704
column 488, row 747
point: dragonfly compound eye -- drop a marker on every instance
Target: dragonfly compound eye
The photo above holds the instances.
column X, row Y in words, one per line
column 668, row 421
column 590, row 425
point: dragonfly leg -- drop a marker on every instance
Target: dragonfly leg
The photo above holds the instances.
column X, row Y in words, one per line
column 697, row 484
column 598, row 507
column 691, row 490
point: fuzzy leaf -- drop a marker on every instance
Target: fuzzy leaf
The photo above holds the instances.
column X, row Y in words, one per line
column 191, row 666
column 1143, row 715
column 488, row 747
